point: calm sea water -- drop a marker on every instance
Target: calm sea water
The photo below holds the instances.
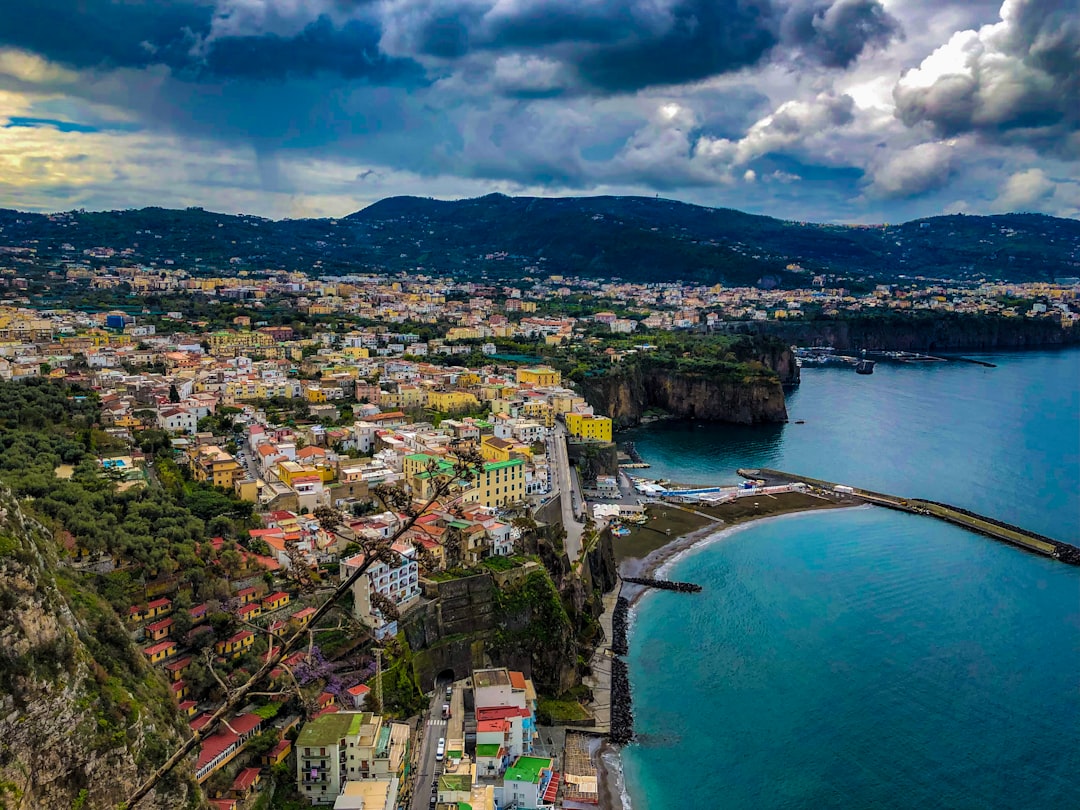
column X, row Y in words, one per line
column 1002, row 441
column 864, row 658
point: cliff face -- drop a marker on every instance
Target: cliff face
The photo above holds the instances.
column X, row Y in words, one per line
column 627, row 394
column 534, row 619
column 937, row 334
column 82, row 719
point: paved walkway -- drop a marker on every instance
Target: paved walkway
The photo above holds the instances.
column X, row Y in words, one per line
column 600, row 678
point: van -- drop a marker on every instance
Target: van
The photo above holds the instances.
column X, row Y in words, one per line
column 440, row 752
column 449, row 692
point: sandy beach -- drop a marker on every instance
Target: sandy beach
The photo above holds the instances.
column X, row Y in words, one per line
column 609, row 765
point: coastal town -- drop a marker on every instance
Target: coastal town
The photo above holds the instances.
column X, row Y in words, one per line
column 304, row 402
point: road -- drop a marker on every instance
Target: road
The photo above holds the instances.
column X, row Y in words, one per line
column 427, row 769
column 566, row 483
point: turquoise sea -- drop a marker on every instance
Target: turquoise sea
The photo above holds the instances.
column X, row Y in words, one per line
column 864, row 658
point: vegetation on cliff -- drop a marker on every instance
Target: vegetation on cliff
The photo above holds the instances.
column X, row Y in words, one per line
column 83, row 715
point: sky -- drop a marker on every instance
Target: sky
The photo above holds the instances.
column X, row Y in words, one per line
column 821, row 110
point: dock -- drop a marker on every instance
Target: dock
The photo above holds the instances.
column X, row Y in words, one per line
column 965, row 519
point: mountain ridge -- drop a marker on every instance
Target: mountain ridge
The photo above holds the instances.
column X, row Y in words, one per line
column 634, row 238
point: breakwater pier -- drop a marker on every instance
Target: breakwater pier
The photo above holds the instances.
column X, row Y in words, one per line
column 965, row 519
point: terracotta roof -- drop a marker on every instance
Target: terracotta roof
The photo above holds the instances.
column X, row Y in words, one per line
column 517, row 680
column 245, row 779
column 359, row 689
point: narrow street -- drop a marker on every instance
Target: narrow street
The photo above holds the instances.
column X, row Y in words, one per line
column 569, row 496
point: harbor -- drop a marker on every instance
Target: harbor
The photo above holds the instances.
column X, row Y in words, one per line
column 980, row 524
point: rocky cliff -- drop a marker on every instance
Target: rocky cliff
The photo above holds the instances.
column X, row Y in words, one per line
column 537, row 619
column 945, row 332
column 626, row 393
column 82, row 718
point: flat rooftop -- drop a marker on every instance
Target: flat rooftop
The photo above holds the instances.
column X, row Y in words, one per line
column 526, row 769
column 490, row 677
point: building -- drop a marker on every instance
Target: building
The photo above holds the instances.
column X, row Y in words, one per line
column 398, row 581
column 539, row 376
column 501, row 483
column 588, row 427
column 530, row 783
column 337, row 749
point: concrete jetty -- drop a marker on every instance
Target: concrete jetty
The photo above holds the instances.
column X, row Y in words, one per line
column 965, row 519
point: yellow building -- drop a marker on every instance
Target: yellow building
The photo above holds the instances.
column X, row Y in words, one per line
column 231, row 343
column 235, row 645
column 501, row 483
column 585, row 426
column 540, row 412
column 538, row 375
column 213, row 465
column 452, row 401
column 315, row 394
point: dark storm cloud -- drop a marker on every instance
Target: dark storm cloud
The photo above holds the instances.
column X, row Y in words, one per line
column 102, row 33
column 1016, row 81
column 617, row 46
column 109, row 34
column 351, row 51
column 836, row 34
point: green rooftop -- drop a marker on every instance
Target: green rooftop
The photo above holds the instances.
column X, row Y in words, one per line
column 331, row 728
column 453, row 755
column 456, row 781
column 526, row 769
column 488, row 750
column 498, row 465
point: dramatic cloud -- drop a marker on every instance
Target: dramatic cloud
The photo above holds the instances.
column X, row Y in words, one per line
column 837, row 34
column 914, row 171
column 1016, row 80
column 863, row 110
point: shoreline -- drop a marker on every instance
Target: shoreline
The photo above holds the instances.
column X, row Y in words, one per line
column 611, row 785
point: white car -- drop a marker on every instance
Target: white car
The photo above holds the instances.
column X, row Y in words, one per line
column 440, row 752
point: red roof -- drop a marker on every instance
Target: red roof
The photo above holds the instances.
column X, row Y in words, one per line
column 164, row 624
column 280, row 748
column 221, row 739
column 552, row 789
column 159, row 603
column 359, row 689
column 499, row 712
column 177, row 686
column 248, row 608
column 245, row 592
column 328, row 710
column 187, row 704
column 326, row 698
column 223, row 804
column 245, row 779
column 491, row 725
column 178, row 664
column 198, row 610
column 161, row 646
column 303, row 613
column 240, row 636
column 517, row 680
column 274, row 597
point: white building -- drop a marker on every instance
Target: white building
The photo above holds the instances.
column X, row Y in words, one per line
column 177, row 420
column 400, row 583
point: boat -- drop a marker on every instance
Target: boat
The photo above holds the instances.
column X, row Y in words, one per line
column 864, row 367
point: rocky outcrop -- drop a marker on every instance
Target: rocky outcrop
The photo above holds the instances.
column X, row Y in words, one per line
column 944, row 332
column 532, row 618
column 626, row 394
column 82, row 718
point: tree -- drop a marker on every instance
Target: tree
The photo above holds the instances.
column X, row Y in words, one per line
column 375, row 549
column 174, row 395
